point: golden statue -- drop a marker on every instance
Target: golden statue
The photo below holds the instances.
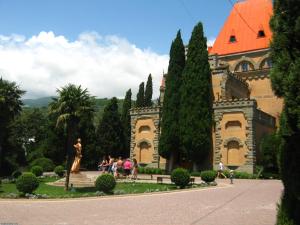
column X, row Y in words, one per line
column 76, row 164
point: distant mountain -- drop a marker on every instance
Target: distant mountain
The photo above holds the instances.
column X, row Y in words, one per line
column 43, row 102
column 37, row 103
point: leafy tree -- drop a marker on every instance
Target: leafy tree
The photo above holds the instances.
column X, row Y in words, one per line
column 110, row 136
column 148, row 92
column 285, row 77
column 11, row 106
column 72, row 104
column 140, row 97
column 29, row 131
column 269, row 149
column 125, row 118
column 196, row 100
column 169, row 142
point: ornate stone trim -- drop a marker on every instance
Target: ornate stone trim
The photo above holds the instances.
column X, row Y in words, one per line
column 143, row 140
column 233, row 139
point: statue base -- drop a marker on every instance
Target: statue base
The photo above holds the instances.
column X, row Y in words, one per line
column 75, row 180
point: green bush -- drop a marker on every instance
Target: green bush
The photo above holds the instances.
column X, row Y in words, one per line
column 105, row 183
column 141, row 170
column 16, row 174
column 181, row 177
column 27, row 183
column 45, row 163
column 59, row 170
column 242, row 175
column 37, row 170
column 208, row 175
column 195, row 174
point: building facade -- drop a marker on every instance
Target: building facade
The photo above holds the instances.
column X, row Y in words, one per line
column 245, row 107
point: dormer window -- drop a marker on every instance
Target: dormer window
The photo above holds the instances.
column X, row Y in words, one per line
column 232, row 39
column 261, row 34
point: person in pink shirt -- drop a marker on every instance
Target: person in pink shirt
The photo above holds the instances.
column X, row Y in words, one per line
column 127, row 167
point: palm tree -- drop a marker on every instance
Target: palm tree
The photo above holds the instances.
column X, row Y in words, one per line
column 72, row 104
column 11, row 106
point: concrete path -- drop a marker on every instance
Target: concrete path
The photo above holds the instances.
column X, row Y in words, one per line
column 247, row 202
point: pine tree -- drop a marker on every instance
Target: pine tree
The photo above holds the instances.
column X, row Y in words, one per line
column 169, row 142
column 125, row 118
column 140, row 97
column 285, row 77
column 148, row 92
column 196, row 100
column 110, row 136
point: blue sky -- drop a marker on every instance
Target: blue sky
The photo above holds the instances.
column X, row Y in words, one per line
column 146, row 23
column 105, row 46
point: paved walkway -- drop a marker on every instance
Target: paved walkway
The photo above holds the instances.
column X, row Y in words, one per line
column 247, row 202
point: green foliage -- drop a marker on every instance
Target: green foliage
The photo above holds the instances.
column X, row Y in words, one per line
column 16, row 174
column 149, row 170
column 110, row 135
column 181, row 177
column 105, row 183
column 125, row 118
column 208, row 175
column 148, row 92
column 242, row 175
column 45, row 163
column 140, row 97
column 269, row 150
column 27, row 183
column 285, row 78
column 37, row 170
column 59, row 171
column 196, row 100
column 169, row 141
column 196, row 174
column 141, row 170
column 11, row 106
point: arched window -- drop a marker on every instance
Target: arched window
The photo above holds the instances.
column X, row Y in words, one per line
column 144, row 129
column 233, row 153
column 233, row 125
column 244, row 66
column 266, row 64
column 232, row 39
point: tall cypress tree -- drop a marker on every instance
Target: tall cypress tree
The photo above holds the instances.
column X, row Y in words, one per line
column 196, row 100
column 125, row 118
column 140, row 97
column 169, row 142
column 110, row 136
column 285, row 77
column 148, row 92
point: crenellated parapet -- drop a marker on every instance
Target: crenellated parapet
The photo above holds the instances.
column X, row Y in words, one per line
column 144, row 110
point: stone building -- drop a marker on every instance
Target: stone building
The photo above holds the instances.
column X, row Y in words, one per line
column 245, row 107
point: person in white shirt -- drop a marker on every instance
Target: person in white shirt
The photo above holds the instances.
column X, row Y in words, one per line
column 220, row 170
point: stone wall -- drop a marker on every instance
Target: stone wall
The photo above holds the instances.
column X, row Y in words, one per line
column 144, row 135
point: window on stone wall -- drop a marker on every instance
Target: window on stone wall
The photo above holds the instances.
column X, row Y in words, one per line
column 144, row 129
column 266, row 64
column 233, row 125
column 233, row 153
column 244, row 66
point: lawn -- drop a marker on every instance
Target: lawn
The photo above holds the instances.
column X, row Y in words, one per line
column 8, row 190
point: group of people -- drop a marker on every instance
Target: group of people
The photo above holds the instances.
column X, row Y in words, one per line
column 118, row 167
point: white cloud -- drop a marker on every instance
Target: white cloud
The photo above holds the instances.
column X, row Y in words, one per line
column 106, row 65
column 211, row 41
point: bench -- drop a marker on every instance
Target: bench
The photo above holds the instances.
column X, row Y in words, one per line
column 160, row 179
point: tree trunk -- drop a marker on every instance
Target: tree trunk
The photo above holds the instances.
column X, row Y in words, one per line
column 70, row 151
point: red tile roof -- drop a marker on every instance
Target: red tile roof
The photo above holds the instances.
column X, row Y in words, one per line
column 244, row 22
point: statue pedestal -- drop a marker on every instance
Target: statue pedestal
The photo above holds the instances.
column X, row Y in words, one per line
column 76, row 180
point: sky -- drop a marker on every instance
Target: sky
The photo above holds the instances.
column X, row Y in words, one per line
column 106, row 46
